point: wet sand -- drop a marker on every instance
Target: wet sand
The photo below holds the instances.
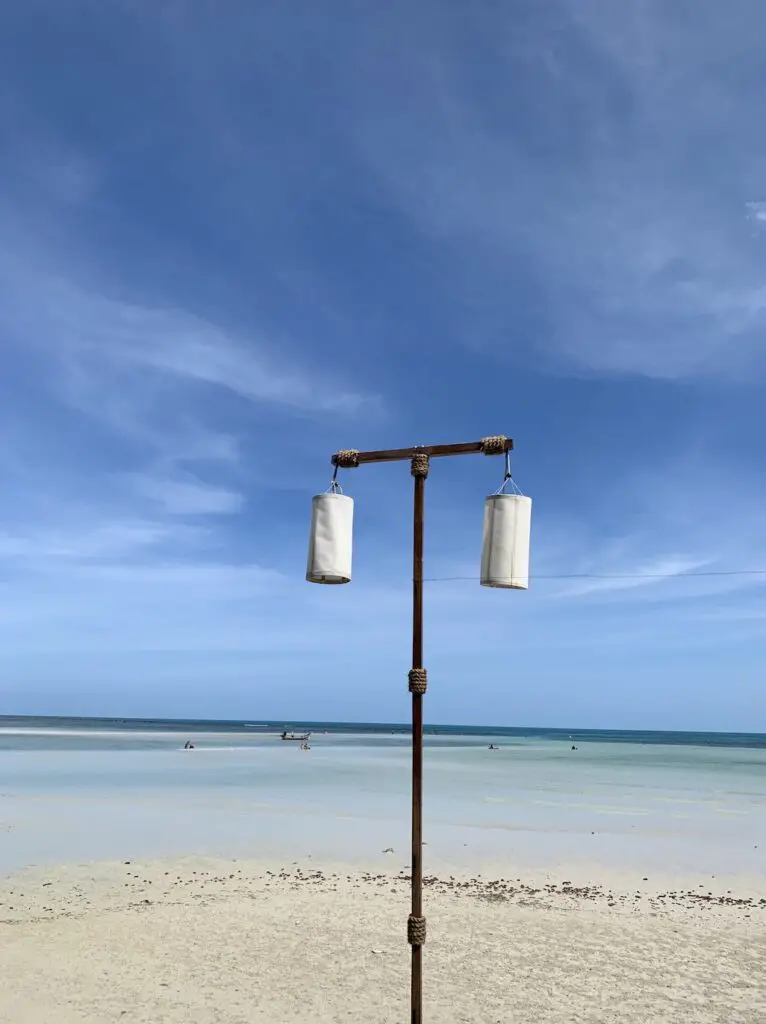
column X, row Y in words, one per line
column 212, row 940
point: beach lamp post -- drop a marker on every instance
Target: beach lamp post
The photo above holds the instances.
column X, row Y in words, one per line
column 504, row 563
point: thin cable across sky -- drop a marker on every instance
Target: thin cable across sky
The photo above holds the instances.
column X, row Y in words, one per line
column 613, row 576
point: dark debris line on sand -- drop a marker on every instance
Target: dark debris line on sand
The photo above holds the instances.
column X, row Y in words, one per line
column 72, row 901
column 506, row 890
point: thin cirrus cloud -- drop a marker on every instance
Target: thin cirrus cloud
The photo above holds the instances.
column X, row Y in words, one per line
column 148, row 378
column 175, row 343
column 92, row 339
column 45, row 547
column 185, row 496
column 135, row 561
column 641, row 575
column 637, row 257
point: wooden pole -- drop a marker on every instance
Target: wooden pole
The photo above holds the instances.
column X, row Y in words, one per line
column 416, row 995
column 419, row 457
column 351, row 458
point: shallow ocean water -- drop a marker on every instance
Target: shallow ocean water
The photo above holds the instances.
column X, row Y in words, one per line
column 82, row 791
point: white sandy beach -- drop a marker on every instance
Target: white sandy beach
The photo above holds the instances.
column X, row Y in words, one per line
column 228, row 941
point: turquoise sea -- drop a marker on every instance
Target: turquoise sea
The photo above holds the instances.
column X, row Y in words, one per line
column 89, row 789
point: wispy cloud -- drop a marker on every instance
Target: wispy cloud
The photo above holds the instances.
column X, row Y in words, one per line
column 684, row 535
column 158, row 402
column 96, row 339
column 185, row 495
column 630, row 577
column 613, row 196
column 756, row 212
column 41, row 547
column 123, row 338
column 125, row 545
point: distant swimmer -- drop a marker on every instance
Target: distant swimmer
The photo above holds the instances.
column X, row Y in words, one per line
column 574, row 748
column 188, row 745
column 493, row 747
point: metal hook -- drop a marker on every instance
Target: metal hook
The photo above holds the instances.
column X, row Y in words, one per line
column 335, row 487
column 507, row 478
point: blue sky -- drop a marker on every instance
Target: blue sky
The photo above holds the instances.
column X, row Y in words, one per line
column 233, row 240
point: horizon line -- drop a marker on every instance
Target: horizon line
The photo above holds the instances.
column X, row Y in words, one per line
column 405, row 726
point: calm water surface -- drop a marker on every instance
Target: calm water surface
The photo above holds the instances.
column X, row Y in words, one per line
column 88, row 789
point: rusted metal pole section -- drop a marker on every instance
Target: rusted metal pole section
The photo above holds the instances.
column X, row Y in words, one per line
column 419, row 458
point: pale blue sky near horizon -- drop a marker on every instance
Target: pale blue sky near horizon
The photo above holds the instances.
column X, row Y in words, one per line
column 230, row 245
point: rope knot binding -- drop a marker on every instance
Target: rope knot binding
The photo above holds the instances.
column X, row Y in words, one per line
column 416, row 931
column 418, row 678
column 346, row 458
column 493, row 445
column 419, row 464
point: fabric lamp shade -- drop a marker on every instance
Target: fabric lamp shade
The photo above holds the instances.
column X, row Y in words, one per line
column 507, row 529
column 331, row 540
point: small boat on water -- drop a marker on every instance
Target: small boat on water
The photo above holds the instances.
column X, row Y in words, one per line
column 299, row 737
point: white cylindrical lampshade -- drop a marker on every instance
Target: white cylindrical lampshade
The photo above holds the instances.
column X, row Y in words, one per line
column 505, row 555
column 330, row 543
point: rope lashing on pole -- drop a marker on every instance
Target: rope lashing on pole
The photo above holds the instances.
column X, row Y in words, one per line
column 346, row 458
column 416, row 931
column 419, row 465
column 493, row 445
column 418, row 680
